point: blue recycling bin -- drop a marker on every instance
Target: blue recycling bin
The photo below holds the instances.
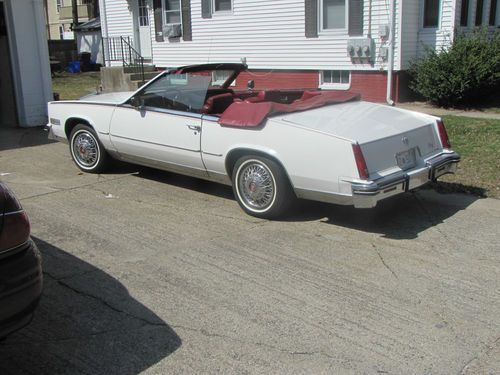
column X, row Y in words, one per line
column 74, row 67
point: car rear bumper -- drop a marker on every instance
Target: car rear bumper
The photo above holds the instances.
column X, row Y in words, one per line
column 367, row 194
column 21, row 283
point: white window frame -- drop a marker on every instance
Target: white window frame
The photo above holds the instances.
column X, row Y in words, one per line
column 164, row 15
column 215, row 12
column 334, row 85
column 440, row 16
column 322, row 30
column 216, row 82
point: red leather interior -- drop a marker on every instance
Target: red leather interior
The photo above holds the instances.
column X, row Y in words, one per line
column 248, row 114
column 261, row 95
column 218, row 103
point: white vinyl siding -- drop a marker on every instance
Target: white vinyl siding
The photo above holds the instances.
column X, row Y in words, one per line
column 119, row 19
column 270, row 35
column 442, row 36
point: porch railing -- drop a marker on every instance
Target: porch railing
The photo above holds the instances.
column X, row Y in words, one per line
column 120, row 49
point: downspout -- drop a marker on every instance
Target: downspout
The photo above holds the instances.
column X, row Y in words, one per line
column 390, row 63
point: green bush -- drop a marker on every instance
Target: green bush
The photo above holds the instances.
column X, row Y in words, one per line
column 461, row 74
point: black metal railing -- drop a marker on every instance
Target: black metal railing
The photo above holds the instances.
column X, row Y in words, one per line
column 119, row 48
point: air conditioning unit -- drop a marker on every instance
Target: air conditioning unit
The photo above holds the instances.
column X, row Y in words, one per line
column 172, row 31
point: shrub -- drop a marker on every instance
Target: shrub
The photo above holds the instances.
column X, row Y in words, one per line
column 461, row 74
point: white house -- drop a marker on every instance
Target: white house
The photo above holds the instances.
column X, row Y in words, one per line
column 363, row 46
column 25, row 82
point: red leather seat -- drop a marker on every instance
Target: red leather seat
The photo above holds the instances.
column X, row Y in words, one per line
column 260, row 97
column 218, row 103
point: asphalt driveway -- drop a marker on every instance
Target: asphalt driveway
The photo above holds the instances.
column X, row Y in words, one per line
column 151, row 272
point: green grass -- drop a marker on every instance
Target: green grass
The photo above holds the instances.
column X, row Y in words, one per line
column 478, row 142
column 74, row 86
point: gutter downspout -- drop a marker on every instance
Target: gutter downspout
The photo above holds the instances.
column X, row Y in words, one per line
column 390, row 63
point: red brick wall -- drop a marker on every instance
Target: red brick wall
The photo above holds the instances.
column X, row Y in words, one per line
column 372, row 86
column 274, row 79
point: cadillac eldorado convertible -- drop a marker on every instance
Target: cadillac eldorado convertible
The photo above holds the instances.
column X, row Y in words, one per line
column 272, row 146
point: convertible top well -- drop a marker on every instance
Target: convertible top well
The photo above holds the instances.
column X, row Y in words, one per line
column 249, row 114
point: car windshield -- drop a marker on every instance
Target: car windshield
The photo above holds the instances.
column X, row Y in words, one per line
column 183, row 92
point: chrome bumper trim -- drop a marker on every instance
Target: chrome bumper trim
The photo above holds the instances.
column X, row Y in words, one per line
column 367, row 194
column 52, row 136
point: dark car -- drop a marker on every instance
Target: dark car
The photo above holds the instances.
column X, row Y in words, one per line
column 20, row 266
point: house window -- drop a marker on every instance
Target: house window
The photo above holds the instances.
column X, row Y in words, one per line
column 172, row 11
column 333, row 14
column 464, row 13
column 61, row 32
column 431, row 13
column 479, row 12
column 219, row 77
column 335, row 79
column 143, row 13
column 222, row 5
column 494, row 13
column 58, row 5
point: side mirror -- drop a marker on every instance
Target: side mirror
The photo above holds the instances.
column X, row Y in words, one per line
column 250, row 84
column 137, row 102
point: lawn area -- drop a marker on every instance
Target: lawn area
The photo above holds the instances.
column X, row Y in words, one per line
column 75, row 85
column 478, row 142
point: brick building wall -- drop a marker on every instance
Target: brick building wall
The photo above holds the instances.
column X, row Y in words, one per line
column 372, row 86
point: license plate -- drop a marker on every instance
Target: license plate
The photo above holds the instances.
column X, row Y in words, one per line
column 406, row 159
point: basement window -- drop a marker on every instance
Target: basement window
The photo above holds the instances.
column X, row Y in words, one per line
column 335, row 79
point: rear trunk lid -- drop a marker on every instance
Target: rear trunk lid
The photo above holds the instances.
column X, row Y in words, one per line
column 391, row 139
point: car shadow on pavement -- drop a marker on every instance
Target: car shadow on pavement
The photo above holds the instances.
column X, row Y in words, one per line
column 16, row 137
column 195, row 184
column 400, row 217
column 86, row 323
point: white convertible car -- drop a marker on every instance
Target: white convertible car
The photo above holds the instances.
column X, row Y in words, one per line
column 272, row 146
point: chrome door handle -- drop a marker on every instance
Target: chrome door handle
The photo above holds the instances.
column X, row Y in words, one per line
column 195, row 128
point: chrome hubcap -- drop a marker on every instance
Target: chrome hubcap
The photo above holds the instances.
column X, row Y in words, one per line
column 85, row 149
column 256, row 185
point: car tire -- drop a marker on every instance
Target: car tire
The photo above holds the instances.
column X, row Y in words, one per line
column 261, row 187
column 87, row 151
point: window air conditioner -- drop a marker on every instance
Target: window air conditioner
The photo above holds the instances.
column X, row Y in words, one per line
column 172, row 31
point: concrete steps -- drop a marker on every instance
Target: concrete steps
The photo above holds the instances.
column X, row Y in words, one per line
column 119, row 78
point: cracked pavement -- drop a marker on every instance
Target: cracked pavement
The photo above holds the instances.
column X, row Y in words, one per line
column 151, row 272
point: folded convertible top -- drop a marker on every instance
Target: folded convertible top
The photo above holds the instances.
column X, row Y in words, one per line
column 247, row 115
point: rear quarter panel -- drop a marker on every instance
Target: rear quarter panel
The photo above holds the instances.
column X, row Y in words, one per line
column 96, row 115
column 313, row 160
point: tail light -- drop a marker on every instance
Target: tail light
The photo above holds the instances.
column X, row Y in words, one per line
column 443, row 135
column 14, row 223
column 360, row 161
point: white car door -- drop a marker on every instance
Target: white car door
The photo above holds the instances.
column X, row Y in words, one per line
column 160, row 127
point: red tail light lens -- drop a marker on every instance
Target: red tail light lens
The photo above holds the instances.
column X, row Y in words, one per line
column 360, row 161
column 14, row 223
column 443, row 135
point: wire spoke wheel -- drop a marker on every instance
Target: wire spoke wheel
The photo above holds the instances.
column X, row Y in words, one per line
column 261, row 187
column 256, row 184
column 85, row 149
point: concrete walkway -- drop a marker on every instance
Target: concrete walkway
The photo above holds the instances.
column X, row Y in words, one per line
column 432, row 110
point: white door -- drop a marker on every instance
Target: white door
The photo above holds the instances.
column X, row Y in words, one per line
column 143, row 30
column 159, row 138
